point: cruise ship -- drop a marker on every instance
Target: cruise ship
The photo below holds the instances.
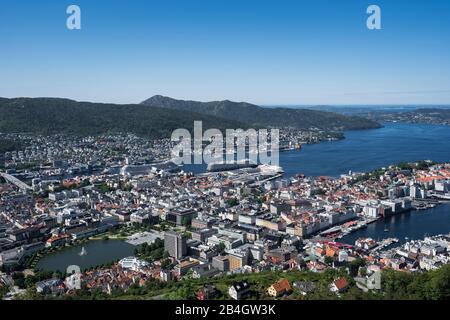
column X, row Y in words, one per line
column 217, row 167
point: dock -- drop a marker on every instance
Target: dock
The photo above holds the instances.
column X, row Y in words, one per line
column 385, row 243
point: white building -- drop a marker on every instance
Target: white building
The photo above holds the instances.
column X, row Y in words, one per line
column 132, row 263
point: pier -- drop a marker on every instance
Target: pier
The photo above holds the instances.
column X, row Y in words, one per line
column 384, row 244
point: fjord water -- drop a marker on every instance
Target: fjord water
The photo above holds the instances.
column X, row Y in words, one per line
column 405, row 227
column 366, row 150
column 361, row 151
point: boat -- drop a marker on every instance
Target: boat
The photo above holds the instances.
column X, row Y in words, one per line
column 217, row 167
column 83, row 252
column 386, row 230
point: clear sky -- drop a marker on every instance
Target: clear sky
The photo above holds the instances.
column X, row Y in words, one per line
column 261, row 51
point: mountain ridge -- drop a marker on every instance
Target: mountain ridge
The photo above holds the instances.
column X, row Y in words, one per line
column 59, row 115
column 258, row 116
column 159, row 116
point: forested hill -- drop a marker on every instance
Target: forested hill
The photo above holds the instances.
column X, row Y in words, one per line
column 158, row 117
column 258, row 116
column 54, row 115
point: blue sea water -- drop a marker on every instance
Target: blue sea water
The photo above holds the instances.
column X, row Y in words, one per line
column 405, row 227
column 367, row 150
column 361, row 151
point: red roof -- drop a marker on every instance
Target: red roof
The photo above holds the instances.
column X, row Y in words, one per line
column 282, row 286
column 341, row 283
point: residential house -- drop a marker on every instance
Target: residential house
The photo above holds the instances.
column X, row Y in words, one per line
column 239, row 290
column 279, row 288
column 339, row 285
column 304, row 287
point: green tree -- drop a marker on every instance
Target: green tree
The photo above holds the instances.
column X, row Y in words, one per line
column 329, row 260
column 232, row 202
column 19, row 280
column 3, row 291
column 221, row 247
column 165, row 263
column 355, row 265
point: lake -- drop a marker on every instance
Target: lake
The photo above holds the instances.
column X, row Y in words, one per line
column 98, row 252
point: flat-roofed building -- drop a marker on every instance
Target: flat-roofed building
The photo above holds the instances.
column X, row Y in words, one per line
column 175, row 244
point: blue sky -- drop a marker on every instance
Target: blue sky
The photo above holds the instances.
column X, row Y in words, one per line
column 261, row 51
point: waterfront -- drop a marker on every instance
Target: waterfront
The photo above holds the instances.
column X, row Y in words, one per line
column 366, row 150
column 416, row 224
column 98, row 252
column 361, row 151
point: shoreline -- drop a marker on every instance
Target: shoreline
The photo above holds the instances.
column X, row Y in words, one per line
column 399, row 242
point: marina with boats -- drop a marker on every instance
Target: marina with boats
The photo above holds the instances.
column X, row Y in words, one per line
column 340, row 231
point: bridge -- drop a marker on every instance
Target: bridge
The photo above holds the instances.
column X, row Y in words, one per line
column 20, row 184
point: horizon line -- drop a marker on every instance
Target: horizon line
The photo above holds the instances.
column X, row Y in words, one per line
column 447, row 104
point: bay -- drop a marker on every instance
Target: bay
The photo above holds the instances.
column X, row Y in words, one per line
column 367, row 150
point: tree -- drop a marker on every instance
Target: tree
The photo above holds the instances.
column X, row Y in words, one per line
column 165, row 263
column 30, row 294
column 329, row 260
column 220, row 247
column 19, row 280
column 3, row 291
column 438, row 286
column 232, row 202
column 395, row 284
column 404, row 166
column 355, row 265
column 157, row 254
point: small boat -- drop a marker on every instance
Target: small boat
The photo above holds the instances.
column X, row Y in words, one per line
column 386, row 230
column 83, row 252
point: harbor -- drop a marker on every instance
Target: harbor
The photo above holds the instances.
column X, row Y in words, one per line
column 341, row 231
column 415, row 224
column 387, row 232
column 384, row 244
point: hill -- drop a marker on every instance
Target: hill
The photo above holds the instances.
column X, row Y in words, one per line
column 429, row 115
column 266, row 117
column 54, row 115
